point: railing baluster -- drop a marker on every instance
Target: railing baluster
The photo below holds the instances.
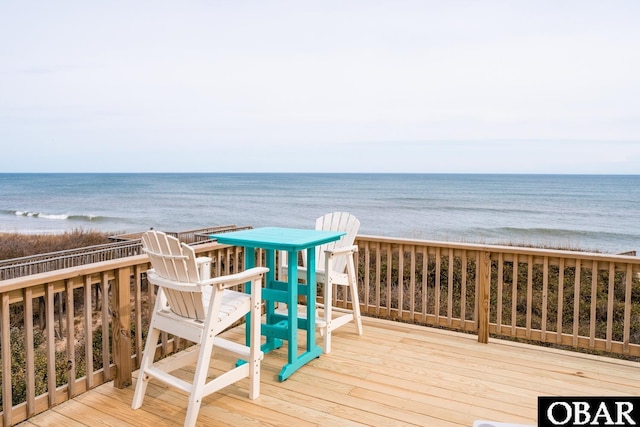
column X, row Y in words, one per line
column 88, row 331
column 378, row 278
column 425, row 283
column 610, row 297
column 5, row 339
column 436, row 309
column 514, row 295
column 594, row 301
column 450, row 287
column 389, row 281
column 627, row 309
column 576, row 301
column 560, row 321
column 464, row 261
column 400, row 297
column 412, row 283
column 51, row 344
column 29, row 351
column 545, row 293
column 367, row 277
column 529, row 294
column 71, row 351
column 137, row 292
column 499, row 291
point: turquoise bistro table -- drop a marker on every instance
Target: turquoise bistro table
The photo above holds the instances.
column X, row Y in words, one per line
column 279, row 327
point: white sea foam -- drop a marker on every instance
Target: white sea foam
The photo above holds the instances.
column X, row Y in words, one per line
column 53, row 216
column 41, row 215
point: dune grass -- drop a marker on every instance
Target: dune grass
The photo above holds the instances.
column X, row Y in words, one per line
column 16, row 245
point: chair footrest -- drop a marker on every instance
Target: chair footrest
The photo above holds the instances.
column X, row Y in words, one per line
column 169, row 379
column 320, row 322
column 241, row 350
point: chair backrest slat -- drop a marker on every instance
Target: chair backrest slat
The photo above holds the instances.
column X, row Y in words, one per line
column 337, row 221
column 176, row 262
column 193, row 272
column 185, row 303
column 150, row 242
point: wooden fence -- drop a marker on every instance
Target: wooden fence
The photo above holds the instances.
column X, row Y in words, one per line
column 584, row 300
column 66, row 331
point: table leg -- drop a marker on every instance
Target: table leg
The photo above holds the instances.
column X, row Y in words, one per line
column 293, row 363
column 311, row 298
column 249, row 262
column 296, row 361
column 272, row 342
column 292, row 305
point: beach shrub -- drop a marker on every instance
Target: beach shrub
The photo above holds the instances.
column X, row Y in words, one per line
column 17, row 245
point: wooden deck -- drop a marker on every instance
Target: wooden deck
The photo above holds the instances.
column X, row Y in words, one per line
column 394, row 375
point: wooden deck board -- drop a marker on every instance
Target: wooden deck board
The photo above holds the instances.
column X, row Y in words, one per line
column 393, row 375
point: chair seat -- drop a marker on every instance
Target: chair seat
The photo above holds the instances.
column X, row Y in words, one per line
column 337, row 277
column 232, row 301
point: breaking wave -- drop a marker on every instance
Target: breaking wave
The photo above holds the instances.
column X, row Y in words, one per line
column 53, row 216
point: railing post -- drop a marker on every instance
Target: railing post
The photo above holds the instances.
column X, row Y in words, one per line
column 121, row 328
column 484, row 284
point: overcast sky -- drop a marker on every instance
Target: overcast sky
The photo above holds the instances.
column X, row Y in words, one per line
column 331, row 86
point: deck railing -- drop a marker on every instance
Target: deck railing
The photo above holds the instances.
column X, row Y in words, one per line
column 67, row 331
column 584, row 300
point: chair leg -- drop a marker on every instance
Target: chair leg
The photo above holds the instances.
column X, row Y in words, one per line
column 356, row 309
column 355, row 300
column 255, row 354
column 328, row 302
column 146, row 362
column 199, row 382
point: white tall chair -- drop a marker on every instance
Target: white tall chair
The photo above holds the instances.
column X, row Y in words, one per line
column 335, row 263
column 198, row 309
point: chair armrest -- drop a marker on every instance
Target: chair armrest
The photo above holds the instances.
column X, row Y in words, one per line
column 237, row 278
column 345, row 250
column 204, row 266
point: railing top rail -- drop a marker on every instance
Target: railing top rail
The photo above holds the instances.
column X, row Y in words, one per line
column 133, row 250
column 67, row 252
column 561, row 253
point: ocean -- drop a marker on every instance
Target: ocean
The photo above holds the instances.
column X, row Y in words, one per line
column 586, row 212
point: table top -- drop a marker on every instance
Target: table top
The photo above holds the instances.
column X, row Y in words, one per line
column 278, row 238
